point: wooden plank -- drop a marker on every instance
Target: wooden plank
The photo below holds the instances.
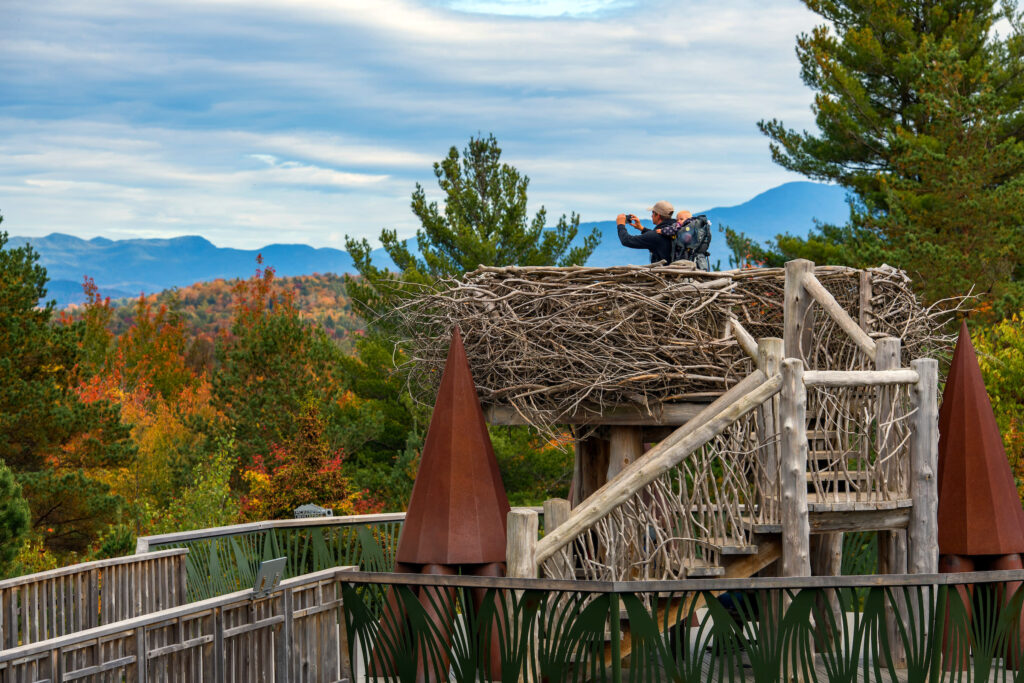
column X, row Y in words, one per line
column 741, row 399
column 922, row 531
column 862, row 520
column 793, row 460
column 828, row 303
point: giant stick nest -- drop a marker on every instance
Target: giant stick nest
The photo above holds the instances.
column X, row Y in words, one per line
column 552, row 342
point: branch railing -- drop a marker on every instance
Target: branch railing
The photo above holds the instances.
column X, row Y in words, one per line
column 730, row 474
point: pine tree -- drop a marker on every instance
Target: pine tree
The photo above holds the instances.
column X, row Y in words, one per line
column 919, row 107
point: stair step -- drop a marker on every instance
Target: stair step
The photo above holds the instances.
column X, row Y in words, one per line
column 730, row 546
column 702, row 569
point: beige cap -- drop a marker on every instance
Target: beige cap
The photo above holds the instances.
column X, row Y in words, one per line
column 662, row 208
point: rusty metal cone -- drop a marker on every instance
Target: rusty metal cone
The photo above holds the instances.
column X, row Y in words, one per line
column 979, row 510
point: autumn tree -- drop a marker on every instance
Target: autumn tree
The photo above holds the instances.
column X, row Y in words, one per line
column 919, row 108
column 271, row 365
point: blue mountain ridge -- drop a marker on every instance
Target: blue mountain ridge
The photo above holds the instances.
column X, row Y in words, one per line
column 123, row 268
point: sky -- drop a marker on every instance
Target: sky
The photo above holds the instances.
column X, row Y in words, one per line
column 252, row 122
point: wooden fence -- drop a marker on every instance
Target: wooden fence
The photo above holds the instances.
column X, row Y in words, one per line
column 49, row 604
column 296, row 633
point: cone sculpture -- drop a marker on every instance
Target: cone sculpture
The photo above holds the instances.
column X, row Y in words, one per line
column 458, row 509
column 979, row 511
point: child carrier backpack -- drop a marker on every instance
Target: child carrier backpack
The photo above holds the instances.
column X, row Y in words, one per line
column 690, row 240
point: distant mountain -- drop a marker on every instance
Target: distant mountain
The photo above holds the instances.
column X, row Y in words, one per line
column 128, row 267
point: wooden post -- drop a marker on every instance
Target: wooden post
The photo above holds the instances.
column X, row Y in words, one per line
column 892, row 544
column 769, row 359
column 521, row 539
column 797, row 324
column 590, row 471
column 625, row 445
column 866, row 316
column 923, row 530
column 796, row 527
column 556, row 511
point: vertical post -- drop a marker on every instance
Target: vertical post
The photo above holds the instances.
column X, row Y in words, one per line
column 521, row 562
column 923, row 530
column 797, row 326
column 140, row 654
column 866, row 317
column 892, row 544
column 769, row 359
column 521, row 549
column 283, row 665
column 625, row 445
column 796, row 527
column 556, row 511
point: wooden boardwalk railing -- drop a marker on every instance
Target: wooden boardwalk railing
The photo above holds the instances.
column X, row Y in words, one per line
column 296, row 633
column 49, row 604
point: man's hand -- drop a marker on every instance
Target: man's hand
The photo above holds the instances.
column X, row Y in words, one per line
column 636, row 224
column 620, row 219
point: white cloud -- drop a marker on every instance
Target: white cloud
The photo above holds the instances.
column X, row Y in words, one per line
column 304, row 120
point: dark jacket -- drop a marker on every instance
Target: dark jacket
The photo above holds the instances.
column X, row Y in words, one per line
column 660, row 247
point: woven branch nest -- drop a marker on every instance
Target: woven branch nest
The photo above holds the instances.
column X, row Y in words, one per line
column 557, row 341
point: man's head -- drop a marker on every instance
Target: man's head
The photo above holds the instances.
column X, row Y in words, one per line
column 661, row 211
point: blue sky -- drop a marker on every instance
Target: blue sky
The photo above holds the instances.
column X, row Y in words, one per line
column 259, row 121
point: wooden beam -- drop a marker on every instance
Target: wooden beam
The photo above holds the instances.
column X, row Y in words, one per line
column 556, row 511
column 671, row 414
column 796, row 529
column 738, row 401
column 828, row 302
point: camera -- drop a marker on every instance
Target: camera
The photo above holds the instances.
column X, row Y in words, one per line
column 630, row 218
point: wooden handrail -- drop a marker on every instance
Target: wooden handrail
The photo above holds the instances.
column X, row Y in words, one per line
column 859, row 378
column 87, row 567
column 144, row 543
column 828, row 302
column 732, row 405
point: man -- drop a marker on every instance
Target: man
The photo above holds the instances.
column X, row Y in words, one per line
column 652, row 240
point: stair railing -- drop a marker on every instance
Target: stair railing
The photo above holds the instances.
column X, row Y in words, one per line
column 655, row 520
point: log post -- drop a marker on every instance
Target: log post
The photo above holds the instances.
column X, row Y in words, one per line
column 865, row 309
column 769, row 359
column 797, row 324
column 892, row 544
column 923, row 530
column 556, row 511
column 796, row 527
column 521, row 540
column 625, row 445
